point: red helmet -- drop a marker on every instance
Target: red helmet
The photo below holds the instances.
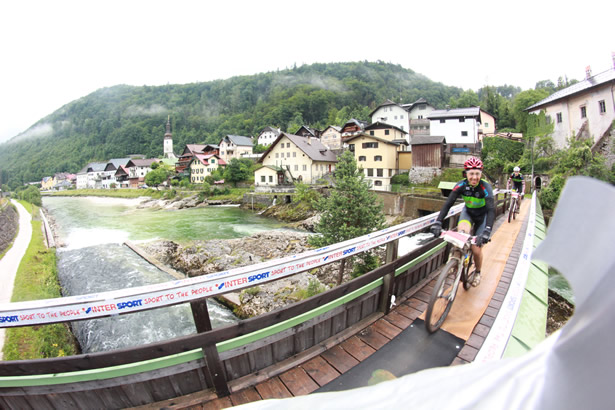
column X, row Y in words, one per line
column 473, row 163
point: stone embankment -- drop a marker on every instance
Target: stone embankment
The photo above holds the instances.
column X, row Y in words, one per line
column 194, row 201
column 204, row 257
column 9, row 223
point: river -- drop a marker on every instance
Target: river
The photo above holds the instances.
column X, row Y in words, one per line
column 93, row 260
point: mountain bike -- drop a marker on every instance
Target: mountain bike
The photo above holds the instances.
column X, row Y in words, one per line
column 513, row 209
column 456, row 270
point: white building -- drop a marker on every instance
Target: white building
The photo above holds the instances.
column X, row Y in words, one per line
column 458, row 125
column 168, row 143
column 108, row 176
column 267, row 136
column 585, row 109
column 235, row 146
column 391, row 113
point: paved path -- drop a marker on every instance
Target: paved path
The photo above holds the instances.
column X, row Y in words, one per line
column 11, row 260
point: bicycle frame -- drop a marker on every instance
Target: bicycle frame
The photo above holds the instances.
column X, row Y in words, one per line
column 461, row 251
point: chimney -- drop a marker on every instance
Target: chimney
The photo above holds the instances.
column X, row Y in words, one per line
column 588, row 72
column 309, row 140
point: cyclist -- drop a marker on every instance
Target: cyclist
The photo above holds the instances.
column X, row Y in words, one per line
column 478, row 212
column 517, row 180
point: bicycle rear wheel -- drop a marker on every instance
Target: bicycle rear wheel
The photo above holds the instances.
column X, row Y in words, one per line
column 515, row 210
column 441, row 300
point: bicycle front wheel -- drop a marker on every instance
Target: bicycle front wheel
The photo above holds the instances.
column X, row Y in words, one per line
column 441, row 299
column 511, row 211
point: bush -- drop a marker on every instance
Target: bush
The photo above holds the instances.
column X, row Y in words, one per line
column 401, row 179
column 304, row 193
column 549, row 195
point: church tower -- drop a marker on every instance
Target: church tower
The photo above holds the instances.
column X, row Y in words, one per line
column 168, row 141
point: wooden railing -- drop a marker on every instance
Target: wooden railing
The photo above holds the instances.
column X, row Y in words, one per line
column 224, row 359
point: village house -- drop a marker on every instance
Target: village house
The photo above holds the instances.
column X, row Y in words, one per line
column 459, row 127
column 47, row 183
column 138, row 169
column 378, row 157
column 352, row 127
column 585, row 109
column 331, row 137
column 267, row 136
column 93, row 175
column 121, row 177
column 292, row 158
column 305, row 131
column 487, row 125
column 63, row 181
column 411, row 118
column 428, row 151
column 235, row 146
column 202, row 165
column 187, row 154
column 108, row 176
column 386, row 132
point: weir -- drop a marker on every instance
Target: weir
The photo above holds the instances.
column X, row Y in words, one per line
column 228, row 359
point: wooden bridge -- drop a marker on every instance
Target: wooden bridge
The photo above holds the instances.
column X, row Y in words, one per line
column 293, row 351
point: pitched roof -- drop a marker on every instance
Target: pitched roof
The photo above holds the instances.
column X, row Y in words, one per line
column 239, row 140
column 141, row 162
column 384, row 104
column 382, row 126
column 311, row 146
column 394, row 142
column 335, row 127
column 276, row 131
column 204, row 159
column 427, row 139
column 96, row 166
column 361, row 124
column 455, row 113
column 588, row 83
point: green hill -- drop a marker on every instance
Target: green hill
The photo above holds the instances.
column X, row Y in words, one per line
column 121, row 120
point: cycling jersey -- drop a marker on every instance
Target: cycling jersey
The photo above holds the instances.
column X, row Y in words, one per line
column 479, row 201
column 518, row 181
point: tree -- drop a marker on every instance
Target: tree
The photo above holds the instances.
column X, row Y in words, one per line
column 350, row 211
column 238, row 170
column 522, row 101
column 157, row 176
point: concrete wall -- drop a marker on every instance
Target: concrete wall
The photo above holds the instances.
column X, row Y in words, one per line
column 409, row 206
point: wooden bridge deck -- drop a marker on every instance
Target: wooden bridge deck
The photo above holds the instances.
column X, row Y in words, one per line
column 306, row 377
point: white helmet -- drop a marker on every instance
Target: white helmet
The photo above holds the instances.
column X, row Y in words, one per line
column 517, row 169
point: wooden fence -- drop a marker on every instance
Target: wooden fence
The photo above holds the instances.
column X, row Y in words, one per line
column 224, row 359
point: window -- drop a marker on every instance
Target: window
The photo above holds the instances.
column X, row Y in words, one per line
column 379, row 172
column 559, row 117
column 277, row 155
column 294, row 154
column 370, row 172
column 378, row 158
column 351, row 147
column 442, row 121
column 305, row 167
column 212, row 161
column 362, row 158
column 464, row 133
column 296, row 167
column 401, row 117
column 270, row 178
column 288, row 155
column 371, row 133
column 602, row 106
column 378, row 183
column 288, row 145
column 583, row 112
column 386, row 132
column 548, row 119
column 462, row 120
column 420, row 117
column 486, row 125
column 370, row 145
column 422, row 107
column 395, row 117
column 263, row 178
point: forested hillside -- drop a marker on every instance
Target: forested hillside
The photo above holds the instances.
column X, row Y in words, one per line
column 121, row 120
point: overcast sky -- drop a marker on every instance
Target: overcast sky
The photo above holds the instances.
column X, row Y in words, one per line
column 54, row 52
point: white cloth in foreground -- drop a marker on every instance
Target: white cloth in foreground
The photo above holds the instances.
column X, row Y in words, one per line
column 571, row 369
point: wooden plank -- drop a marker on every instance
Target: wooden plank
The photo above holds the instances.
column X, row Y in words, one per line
column 398, row 320
column 298, row 382
column 196, row 399
column 357, row 348
column 340, row 359
column 222, row 403
column 370, row 336
column 407, row 311
column 273, row 389
column 245, row 396
column 302, row 357
column 386, row 328
column 319, row 370
column 283, row 349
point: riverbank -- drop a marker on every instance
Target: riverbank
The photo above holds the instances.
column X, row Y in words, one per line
column 35, row 279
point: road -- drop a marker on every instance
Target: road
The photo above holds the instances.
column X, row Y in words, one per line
column 11, row 260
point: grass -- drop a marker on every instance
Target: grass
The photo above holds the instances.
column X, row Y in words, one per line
column 37, row 278
column 5, row 203
column 115, row 193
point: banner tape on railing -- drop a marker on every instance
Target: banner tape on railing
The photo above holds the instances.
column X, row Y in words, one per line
column 131, row 300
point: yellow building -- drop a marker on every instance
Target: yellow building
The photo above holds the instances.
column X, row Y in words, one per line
column 378, row 157
column 202, row 166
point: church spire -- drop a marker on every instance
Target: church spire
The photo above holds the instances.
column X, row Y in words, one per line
column 168, row 133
